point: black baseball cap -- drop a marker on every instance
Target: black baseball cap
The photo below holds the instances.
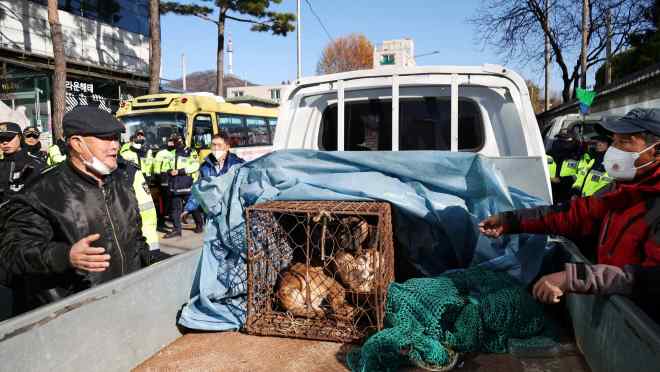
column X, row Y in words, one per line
column 9, row 130
column 635, row 121
column 91, row 121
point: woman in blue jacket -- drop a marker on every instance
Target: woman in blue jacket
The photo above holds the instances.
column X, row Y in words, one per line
column 215, row 164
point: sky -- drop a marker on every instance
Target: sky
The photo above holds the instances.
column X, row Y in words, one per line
column 261, row 58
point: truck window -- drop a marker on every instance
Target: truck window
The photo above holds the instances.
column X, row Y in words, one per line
column 367, row 126
column 202, row 132
column 257, row 129
column 424, row 124
column 235, row 128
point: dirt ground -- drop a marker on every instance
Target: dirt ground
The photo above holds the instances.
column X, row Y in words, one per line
column 232, row 351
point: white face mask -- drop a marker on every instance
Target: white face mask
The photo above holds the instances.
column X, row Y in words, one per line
column 620, row 164
column 95, row 165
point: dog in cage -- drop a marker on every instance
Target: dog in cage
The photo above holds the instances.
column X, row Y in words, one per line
column 344, row 249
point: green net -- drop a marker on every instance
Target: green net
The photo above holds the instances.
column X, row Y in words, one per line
column 429, row 319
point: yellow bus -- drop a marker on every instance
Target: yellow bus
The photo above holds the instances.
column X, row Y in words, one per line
column 196, row 117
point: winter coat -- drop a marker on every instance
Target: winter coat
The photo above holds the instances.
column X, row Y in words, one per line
column 625, row 222
column 39, row 227
column 208, row 169
column 18, row 170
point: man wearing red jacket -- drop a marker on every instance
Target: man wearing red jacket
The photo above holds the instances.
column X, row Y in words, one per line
column 624, row 221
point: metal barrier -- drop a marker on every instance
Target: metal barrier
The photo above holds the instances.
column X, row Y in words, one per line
column 112, row 327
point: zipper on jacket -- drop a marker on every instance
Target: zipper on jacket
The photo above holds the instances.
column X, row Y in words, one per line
column 114, row 234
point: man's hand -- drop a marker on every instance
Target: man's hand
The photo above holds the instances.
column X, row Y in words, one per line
column 85, row 257
column 184, row 215
column 174, row 172
column 550, row 288
column 493, row 226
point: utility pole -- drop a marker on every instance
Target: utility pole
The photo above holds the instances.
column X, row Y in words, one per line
column 585, row 41
column 608, row 51
column 298, row 43
column 548, row 61
column 183, row 70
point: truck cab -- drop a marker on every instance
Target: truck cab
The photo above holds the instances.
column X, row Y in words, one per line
column 484, row 109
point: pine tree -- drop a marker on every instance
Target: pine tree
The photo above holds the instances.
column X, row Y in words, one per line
column 254, row 12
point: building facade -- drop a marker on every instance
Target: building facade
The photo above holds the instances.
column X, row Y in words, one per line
column 107, row 51
column 265, row 92
column 400, row 53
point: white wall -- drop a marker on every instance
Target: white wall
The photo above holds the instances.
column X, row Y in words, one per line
column 24, row 27
column 260, row 91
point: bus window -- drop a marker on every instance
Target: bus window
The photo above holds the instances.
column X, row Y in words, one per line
column 157, row 127
column 233, row 125
column 202, row 132
column 257, row 131
column 272, row 123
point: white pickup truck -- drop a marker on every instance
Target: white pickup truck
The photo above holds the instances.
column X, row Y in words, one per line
column 119, row 325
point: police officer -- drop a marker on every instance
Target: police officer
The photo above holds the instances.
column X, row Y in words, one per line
column 78, row 225
column 178, row 167
column 563, row 165
column 57, row 153
column 137, row 152
column 147, row 208
column 597, row 178
column 32, row 144
column 18, row 167
column 140, row 157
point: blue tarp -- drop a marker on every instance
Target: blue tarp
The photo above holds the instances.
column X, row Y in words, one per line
column 438, row 198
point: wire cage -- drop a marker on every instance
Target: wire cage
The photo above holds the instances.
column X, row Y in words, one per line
column 318, row 269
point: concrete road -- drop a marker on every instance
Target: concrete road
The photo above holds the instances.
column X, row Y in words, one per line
column 187, row 242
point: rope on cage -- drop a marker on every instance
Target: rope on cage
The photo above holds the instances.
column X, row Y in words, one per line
column 323, row 217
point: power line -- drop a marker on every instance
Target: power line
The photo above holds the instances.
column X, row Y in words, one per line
column 319, row 19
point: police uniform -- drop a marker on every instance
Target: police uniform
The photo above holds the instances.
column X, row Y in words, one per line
column 146, row 205
column 34, row 150
column 19, row 169
column 176, row 188
column 56, row 153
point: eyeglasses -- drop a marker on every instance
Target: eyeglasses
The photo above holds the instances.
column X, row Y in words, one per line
column 32, row 135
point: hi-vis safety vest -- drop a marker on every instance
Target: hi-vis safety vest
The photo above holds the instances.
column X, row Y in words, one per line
column 165, row 161
column 552, row 166
column 55, row 156
column 595, row 181
column 147, row 210
column 568, row 168
column 145, row 164
column 583, row 168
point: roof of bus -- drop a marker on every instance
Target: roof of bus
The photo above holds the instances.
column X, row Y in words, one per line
column 194, row 102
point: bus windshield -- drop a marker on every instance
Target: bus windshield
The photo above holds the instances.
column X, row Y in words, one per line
column 157, row 127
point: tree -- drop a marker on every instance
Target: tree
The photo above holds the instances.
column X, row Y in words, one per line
column 348, row 53
column 154, row 46
column 644, row 51
column 535, row 96
column 254, row 12
column 517, row 30
column 59, row 78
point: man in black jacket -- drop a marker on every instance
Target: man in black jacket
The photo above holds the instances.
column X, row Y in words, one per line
column 79, row 225
column 17, row 166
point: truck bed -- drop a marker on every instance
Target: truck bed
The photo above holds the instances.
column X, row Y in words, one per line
column 233, row 351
